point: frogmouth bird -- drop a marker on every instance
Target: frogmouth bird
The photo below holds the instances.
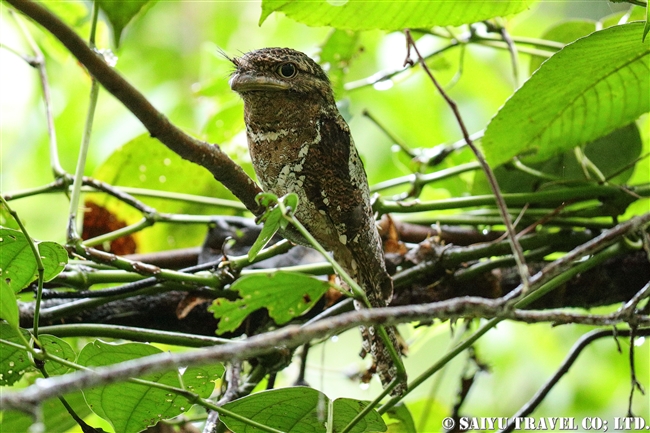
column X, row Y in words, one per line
column 299, row 142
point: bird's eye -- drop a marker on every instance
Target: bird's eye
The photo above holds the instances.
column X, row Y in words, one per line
column 287, row 70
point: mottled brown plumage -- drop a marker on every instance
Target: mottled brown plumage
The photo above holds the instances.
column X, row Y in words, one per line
column 299, row 143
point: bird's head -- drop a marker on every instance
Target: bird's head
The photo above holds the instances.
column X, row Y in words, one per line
column 272, row 70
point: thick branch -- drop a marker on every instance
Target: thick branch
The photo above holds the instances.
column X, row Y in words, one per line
column 617, row 280
column 208, row 156
column 289, row 336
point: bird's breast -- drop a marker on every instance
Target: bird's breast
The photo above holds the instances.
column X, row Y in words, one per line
column 279, row 155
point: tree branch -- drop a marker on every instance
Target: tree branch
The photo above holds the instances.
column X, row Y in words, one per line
column 576, row 350
column 211, row 157
column 289, row 336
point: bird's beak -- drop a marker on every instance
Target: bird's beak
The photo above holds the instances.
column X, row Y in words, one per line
column 247, row 82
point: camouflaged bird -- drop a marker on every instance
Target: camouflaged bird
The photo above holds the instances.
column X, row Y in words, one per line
column 299, row 142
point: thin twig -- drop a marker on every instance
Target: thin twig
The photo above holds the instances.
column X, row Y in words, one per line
column 549, row 198
column 598, row 243
column 501, row 204
column 410, row 153
column 211, row 157
column 575, row 351
column 232, row 392
column 40, row 268
column 635, row 384
column 38, row 62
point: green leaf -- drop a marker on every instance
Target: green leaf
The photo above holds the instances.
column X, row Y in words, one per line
column 145, row 163
column 54, row 258
column 389, row 15
column 57, row 347
column 610, row 154
column 564, row 32
column 337, row 54
column 56, row 418
column 588, row 89
column 132, row 407
column 291, row 201
column 18, row 265
column 120, row 13
column 400, row 419
column 271, row 220
column 284, row 294
column 345, row 409
column 8, row 305
column 13, row 362
column 266, row 199
column 299, row 410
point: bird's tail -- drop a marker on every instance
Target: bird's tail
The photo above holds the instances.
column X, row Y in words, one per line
column 369, row 271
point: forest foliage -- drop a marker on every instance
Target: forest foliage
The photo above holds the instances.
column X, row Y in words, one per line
column 95, row 198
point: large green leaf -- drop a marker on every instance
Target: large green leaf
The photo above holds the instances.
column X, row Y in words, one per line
column 57, row 347
column 8, row 305
column 588, row 89
column 120, row 13
column 56, row 418
column 390, row 15
column 400, row 419
column 284, row 294
column 299, row 410
column 18, row 265
column 614, row 156
column 336, row 55
column 131, row 407
column 13, row 362
column 145, row 163
column 565, row 32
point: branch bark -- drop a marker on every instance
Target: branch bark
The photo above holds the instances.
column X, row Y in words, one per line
column 290, row 336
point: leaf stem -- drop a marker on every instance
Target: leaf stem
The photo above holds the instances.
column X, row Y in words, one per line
column 38, row 62
column 553, row 197
column 424, row 179
column 357, row 291
column 39, row 267
column 73, row 236
column 133, row 334
column 188, row 198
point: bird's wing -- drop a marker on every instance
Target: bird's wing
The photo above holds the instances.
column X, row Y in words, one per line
column 337, row 183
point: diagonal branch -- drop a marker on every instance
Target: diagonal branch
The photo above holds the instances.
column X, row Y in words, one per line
column 568, row 362
column 289, row 336
column 517, row 251
column 211, row 157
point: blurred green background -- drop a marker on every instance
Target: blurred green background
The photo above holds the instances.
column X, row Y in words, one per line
column 170, row 53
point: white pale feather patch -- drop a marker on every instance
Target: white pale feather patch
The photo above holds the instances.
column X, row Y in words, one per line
column 284, row 175
column 303, row 150
column 300, row 181
column 343, row 239
column 268, row 136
